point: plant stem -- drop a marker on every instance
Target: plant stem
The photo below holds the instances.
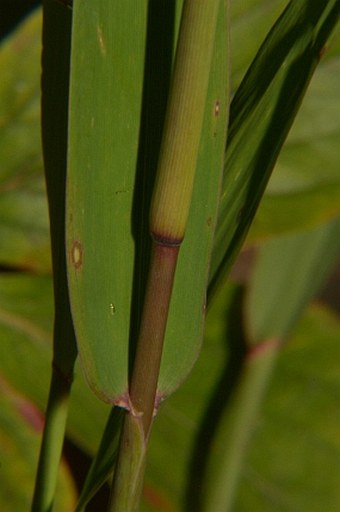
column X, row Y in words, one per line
column 234, row 431
column 168, row 219
column 183, row 123
column 138, row 421
column 52, row 443
column 151, row 336
column 129, row 471
column 172, row 194
column 55, row 82
column 104, row 460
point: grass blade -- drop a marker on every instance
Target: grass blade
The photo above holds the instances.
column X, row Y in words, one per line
column 101, row 301
column 261, row 115
column 105, row 106
column 104, row 461
column 56, row 51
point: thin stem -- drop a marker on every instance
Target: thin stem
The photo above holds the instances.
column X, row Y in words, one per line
column 129, row 472
column 184, row 118
column 104, row 460
column 234, row 432
column 151, row 336
column 55, row 80
column 168, row 218
column 52, row 444
column 138, row 421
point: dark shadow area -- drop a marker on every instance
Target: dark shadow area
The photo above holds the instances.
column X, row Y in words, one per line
column 157, row 73
column 79, row 463
column 330, row 293
column 12, row 13
column 220, row 398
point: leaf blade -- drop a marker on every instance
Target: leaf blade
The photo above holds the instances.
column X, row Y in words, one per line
column 262, row 112
column 103, row 142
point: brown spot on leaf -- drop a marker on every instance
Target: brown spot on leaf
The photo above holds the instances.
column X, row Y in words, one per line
column 77, row 254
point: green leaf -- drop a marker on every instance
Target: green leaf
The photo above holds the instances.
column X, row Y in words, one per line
column 24, row 230
column 306, row 178
column 288, row 272
column 187, row 310
column 261, row 115
column 105, row 459
column 54, row 119
column 105, row 245
column 25, row 329
column 105, row 108
column 250, row 22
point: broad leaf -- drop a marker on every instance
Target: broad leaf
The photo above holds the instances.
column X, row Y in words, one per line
column 185, row 325
column 106, row 248
column 104, row 115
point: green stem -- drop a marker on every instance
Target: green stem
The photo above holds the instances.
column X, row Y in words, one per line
column 131, row 461
column 225, row 464
column 184, row 118
column 55, row 82
column 104, row 460
column 52, row 443
column 168, row 219
column 129, row 472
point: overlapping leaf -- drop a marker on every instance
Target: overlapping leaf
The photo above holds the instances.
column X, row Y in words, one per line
column 261, row 115
column 106, row 214
column 304, row 189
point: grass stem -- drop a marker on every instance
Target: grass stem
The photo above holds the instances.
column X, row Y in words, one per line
column 52, row 443
column 237, row 423
column 168, row 219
